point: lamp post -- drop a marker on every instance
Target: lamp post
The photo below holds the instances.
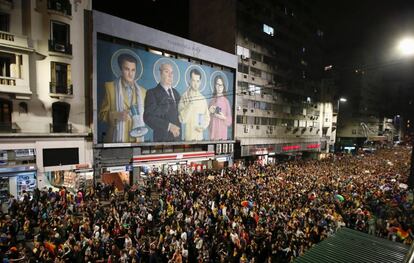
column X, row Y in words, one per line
column 406, row 49
column 337, row 117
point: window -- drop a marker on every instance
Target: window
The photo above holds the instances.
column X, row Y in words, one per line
column 60, row 115
column 256, row 72
column 243, row 52
column 268, row 30
column 255, row 89
column 60, row 37
column 23, row 108
column 319, row 33
column 243, row 86
column 4, row 22
column 257, row 120
column 60, row 78
column 241, row 119
column 63, row 6
column 10, row 68
column 5, row 115
column 243, row 68
column 256, row 56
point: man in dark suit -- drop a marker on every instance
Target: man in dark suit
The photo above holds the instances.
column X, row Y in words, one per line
column 161, row 108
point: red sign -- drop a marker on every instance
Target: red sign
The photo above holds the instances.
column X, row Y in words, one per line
column 290, row 147
column 313, row 146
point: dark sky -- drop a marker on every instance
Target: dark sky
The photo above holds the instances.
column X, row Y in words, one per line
column 169, row 16
column 367, row 25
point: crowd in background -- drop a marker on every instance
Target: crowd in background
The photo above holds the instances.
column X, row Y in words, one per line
column 270, row 213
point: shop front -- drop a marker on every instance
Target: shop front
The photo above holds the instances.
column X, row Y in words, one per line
column 174, row 162
column 270, row 153
column 119, row 176
column 16, row 181
column 18, row 173
column 72, row 178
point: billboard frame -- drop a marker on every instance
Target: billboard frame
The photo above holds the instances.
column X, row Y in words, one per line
column 135, row 33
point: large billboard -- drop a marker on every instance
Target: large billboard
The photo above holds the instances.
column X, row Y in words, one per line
column 144, row 97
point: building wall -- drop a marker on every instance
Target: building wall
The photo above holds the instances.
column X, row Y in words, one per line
column 279, row 78
column 27, row 88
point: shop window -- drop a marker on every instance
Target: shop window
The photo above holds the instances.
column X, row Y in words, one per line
column 60, row 37
column 4, row 22
column 5, row 115
column 61, row 79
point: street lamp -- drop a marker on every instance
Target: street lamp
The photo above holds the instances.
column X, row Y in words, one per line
column 406, row 46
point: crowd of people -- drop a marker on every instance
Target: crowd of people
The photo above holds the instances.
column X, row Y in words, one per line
column 270, row 213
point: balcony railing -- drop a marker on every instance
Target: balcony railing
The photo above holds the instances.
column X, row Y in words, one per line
column 7, row 81
column 60, row 127
column 59, row 47
column 57, row 88
column 62, row 6
column 6, row 36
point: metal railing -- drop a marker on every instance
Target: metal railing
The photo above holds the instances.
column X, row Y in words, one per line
column 59, row 47
column 60, row 127
column 62, row 6
column 58, row 88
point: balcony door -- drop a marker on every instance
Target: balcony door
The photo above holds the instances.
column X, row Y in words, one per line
column 5, row 115
column 60, row 115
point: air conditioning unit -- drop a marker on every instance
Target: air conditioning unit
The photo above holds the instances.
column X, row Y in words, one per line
column 246, row 130
column 60, row 47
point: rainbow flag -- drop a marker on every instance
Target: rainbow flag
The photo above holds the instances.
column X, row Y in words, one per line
column 401, row 233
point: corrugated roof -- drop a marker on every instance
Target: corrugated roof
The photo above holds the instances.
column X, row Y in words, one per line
column 348, row 245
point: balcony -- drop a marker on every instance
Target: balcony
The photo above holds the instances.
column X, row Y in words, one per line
column 60, row 127
column 8, row 81
column 59, row 47
column 57, row 89
column 6, row 36
column 60, row 6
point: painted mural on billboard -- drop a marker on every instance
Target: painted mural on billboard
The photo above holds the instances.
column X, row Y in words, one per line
column 145, row 97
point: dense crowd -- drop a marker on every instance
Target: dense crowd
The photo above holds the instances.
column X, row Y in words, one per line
column 271, row 213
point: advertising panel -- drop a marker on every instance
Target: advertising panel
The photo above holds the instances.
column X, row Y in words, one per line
column 146, row 97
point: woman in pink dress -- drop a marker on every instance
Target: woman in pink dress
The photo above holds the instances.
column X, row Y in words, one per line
column 220, row 111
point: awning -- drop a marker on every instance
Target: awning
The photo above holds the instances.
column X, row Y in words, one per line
column 349, row 245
